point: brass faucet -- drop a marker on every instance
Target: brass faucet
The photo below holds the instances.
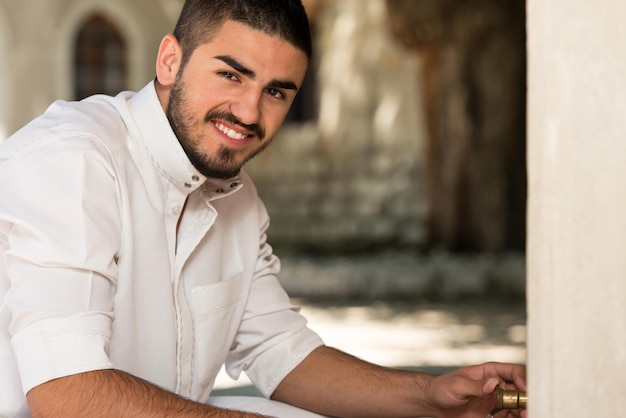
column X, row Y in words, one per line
column 509, row 399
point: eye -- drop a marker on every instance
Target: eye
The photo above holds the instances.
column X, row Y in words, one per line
column 277, row 94
column 229, row 76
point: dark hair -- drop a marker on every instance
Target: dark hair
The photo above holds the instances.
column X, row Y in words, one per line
column 199, row 20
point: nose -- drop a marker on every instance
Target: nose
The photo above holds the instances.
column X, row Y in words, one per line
column 247, row 107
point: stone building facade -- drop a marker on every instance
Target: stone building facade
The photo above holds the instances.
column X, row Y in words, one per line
column 38, row 44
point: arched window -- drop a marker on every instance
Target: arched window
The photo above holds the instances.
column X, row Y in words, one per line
column 100, row 60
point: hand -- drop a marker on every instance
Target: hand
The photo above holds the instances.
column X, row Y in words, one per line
column 469, row 392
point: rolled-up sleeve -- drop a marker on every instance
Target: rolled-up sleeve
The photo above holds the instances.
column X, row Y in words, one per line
column 273, row 337
column 59, row 257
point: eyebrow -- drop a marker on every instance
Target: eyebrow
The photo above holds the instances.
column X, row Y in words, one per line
column 239, row 67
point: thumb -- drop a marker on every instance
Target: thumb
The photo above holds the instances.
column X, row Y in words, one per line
column 454, row 391
column 465, row 388
column 489, row 385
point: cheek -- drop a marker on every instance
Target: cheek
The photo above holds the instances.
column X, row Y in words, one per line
column 202, row 97
column 274, row 116
column 272, row 124
column 196, row 102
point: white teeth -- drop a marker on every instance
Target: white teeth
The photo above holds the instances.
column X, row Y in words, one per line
column 229, row 132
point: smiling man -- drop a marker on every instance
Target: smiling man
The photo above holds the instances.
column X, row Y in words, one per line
column 133, row 252
column 228, row 99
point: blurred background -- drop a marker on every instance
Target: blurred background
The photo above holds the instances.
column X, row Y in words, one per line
column 397, row 186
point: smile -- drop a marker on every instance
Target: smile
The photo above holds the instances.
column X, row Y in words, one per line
column 232, row 134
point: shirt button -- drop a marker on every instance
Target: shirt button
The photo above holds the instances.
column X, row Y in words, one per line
column 176, row 210
column 188, row 185
column 195, row 178
column 233, row 185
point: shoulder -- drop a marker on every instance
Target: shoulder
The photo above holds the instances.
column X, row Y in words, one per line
column 97, row 116
column 93, row 123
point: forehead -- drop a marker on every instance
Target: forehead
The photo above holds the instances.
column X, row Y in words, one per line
column 264, row 54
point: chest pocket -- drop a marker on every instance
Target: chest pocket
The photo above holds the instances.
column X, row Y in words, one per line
column 216, row 310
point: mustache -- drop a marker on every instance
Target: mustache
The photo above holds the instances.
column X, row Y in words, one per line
column 230, row 118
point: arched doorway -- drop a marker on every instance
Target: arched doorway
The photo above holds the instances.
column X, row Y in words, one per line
column 100, row 58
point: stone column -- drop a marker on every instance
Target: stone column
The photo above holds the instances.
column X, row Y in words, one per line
column 577, row 208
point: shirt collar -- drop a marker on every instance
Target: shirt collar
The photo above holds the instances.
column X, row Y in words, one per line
column 167, row 155
column 218, row 188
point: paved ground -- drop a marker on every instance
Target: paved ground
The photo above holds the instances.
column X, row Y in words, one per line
column 434, row 337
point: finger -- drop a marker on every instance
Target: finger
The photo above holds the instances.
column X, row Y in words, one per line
column 489, row 385
column 509, row 373
column 465, row 388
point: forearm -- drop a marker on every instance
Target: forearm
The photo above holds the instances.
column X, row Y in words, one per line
column 112, row 393
column 333, row 383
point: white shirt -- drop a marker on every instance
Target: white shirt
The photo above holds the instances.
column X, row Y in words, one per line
column 94, row 273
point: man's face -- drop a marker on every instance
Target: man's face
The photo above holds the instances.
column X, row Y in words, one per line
column 231, row 97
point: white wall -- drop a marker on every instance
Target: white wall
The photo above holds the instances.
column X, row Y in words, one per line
column 577, row 208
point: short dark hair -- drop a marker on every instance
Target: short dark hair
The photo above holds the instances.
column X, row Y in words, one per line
column 199, row 20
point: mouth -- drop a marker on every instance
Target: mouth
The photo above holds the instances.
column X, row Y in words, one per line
column 231, row 133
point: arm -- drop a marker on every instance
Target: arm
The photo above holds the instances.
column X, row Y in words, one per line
column 112, row 393
column 333, row 383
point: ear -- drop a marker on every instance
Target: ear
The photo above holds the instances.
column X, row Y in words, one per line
column 168, row 60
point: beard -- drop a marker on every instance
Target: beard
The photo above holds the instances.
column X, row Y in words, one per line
column 223, row 164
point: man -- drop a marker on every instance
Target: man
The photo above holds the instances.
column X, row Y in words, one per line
column 133, row 253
